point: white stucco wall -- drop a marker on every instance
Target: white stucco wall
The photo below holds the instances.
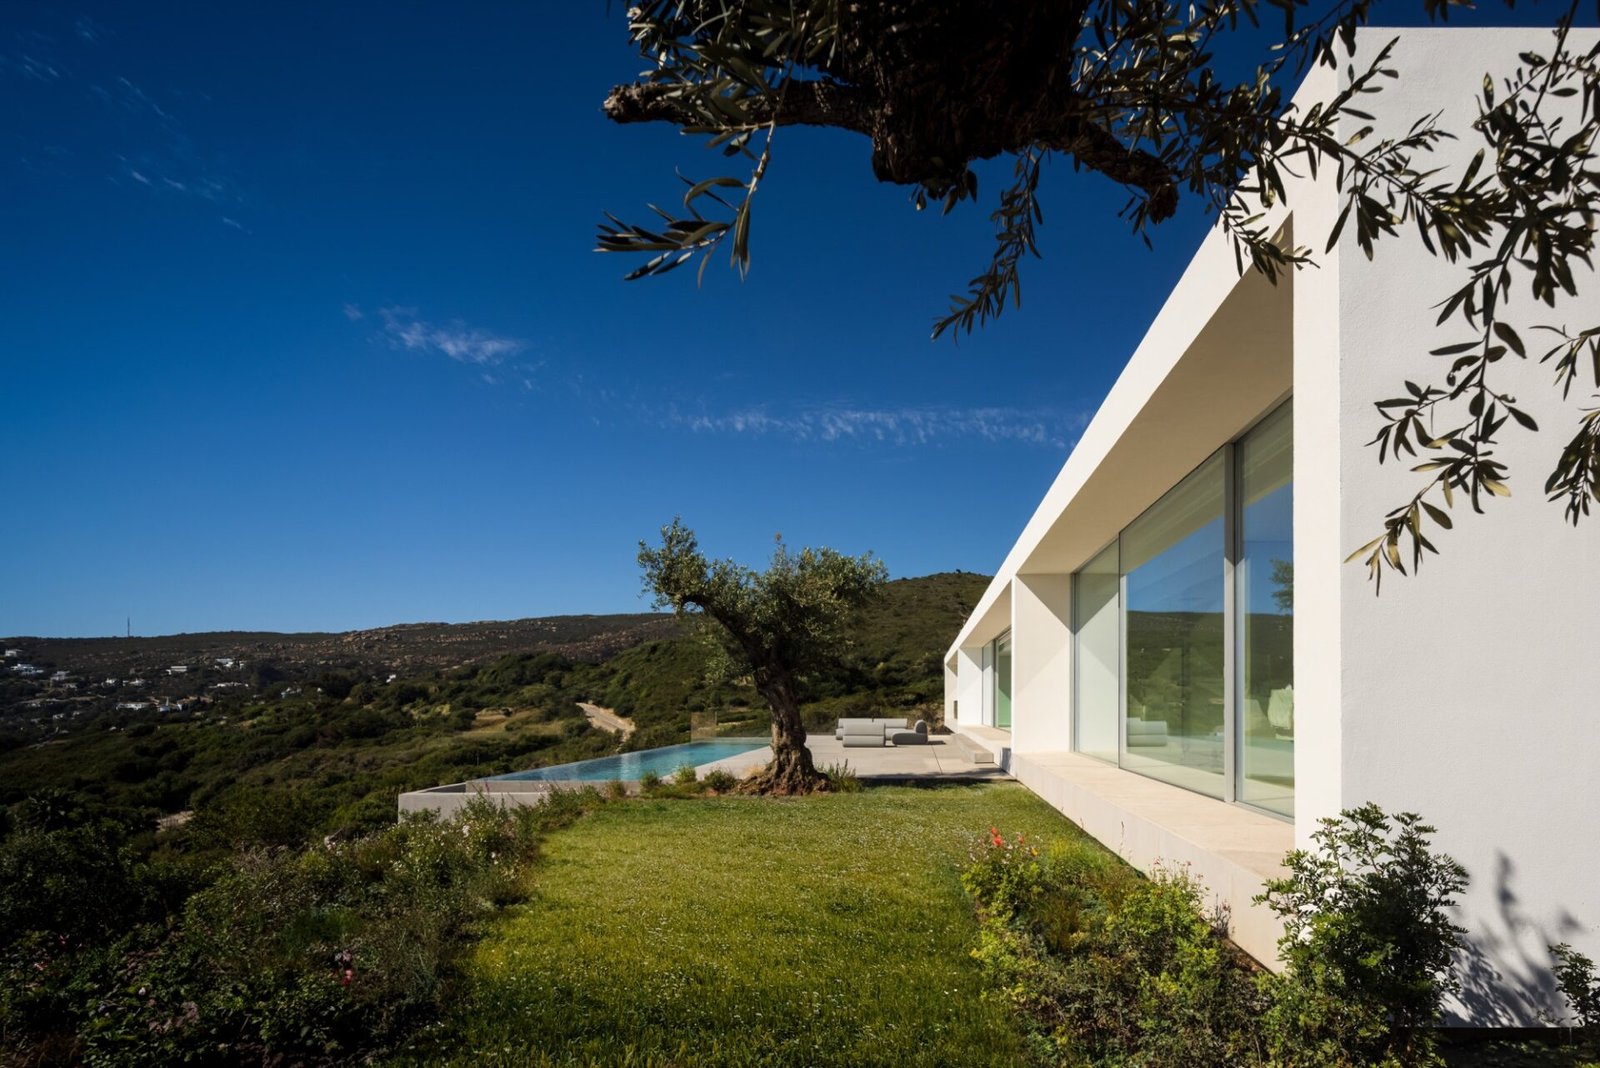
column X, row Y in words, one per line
column 1466, row 692
column 1041, row 663
column 1462, row 693
column 969, row 686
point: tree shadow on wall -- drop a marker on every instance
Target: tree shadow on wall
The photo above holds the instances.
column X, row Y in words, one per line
column 1507, row 973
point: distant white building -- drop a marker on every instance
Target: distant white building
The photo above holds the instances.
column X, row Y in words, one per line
column 225, row 662
column 12, row 654
column 178, row 669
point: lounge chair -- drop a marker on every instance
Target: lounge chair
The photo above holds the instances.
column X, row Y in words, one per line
column 917, row 735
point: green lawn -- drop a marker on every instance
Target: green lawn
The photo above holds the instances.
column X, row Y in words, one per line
column 831, row 930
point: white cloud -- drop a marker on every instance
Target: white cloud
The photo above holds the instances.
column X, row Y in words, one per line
column 456, row 340
column 353, row 313
column 88, row 29
column 895, row 426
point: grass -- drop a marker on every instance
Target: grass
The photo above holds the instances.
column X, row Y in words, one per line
column 742, row 932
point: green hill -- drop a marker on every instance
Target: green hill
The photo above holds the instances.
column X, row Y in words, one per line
column 892, row 666
column 331, row 739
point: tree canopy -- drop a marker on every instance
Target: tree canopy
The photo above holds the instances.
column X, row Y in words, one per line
column 776, row 625
column 1133, row 90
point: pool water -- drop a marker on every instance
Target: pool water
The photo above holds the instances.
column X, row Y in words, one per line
column 630, row 766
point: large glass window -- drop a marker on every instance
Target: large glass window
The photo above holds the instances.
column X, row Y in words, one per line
column 1173, row 575
column 1002, row 680
column 1158, row 651
column 1098, row 656
column 1265, row 576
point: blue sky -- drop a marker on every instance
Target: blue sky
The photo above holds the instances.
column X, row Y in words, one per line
column 302, row 329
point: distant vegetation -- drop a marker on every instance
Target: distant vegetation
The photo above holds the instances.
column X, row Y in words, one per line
column 328, row 742
column 135, row 819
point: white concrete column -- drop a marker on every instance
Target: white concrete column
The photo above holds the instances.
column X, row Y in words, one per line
column 951, row 682
column 1041, row 663
column 1319, row 543
column 968, row 708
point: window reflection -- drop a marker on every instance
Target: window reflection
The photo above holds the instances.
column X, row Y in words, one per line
column 1265, row 575
column 1098, row 675
column 1172, row 560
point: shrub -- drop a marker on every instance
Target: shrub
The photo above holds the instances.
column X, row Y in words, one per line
column 719, row 781
column 616, row 789
column 685, row 775
column 1576, row 978
column 1105, row 966
column 841, row 780
column 649, row 782
column 1368, row 943
column 334, row 952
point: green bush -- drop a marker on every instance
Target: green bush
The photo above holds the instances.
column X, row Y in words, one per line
column 685, row 775
column 1106, row 967
column 1579, row 984
column 649, row 782
column 719, row 781
column 841, row 779
column 1368, row 943
column 329, row 953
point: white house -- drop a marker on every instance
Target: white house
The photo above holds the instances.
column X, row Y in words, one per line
column 1175, row 653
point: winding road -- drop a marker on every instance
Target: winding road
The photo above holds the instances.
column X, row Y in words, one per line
column 606, row 719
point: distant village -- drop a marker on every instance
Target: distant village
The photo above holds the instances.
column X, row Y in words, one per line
column 39, row 701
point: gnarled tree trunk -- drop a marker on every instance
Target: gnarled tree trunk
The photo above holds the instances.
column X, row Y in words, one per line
column 792, row 770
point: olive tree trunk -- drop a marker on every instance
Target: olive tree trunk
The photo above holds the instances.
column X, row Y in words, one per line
column 792, row 770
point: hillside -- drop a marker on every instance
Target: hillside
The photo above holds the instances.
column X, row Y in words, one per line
column 406, row 649
column 891, row 666
column 324, row 730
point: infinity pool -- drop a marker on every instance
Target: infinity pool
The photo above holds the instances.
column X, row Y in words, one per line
column 630, row 766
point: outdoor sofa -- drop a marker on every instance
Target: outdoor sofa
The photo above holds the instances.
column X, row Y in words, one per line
column 876, row 733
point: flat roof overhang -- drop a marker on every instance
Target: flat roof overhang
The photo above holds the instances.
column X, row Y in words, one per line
column 1218, row 356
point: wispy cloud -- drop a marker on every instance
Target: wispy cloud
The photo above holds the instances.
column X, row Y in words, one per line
column 32, row 56
column 88, row 29
column 903, row 426
column 462, row 343
column 71, row 60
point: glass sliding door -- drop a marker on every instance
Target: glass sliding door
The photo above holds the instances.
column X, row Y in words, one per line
column 1002, row 680
column 1162, row 654
column 1172, row 609
column 1097, row 676
column 1264, row 574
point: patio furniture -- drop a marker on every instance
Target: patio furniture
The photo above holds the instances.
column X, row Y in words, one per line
column 865, row 726
column 1280, row 711
column 1146, row 733
column 918, row 735
column 867, row 733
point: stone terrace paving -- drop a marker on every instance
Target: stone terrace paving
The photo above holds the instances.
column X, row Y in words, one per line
column 942, row 758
